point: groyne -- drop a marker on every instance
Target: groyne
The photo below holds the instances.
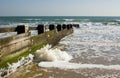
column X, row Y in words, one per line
column 14, row 47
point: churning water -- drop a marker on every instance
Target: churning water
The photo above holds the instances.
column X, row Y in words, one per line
column 95, row 51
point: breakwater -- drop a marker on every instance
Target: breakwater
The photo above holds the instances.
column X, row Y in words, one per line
column 23, row 43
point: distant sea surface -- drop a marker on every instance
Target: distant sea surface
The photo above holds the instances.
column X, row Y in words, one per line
column 6, row 21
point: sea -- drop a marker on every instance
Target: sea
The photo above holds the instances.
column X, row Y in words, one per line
column 91, row 51
column 13, row 21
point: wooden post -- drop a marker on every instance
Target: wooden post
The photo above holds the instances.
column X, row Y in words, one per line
column 64, row 26
column 59, row 28
column 21, row 29
column 68, row 26
column 71, row 26
column 76, row 25
column 41, row 28
column 51, row 27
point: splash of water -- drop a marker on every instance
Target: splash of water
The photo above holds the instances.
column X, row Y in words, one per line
column 48, row 54
column 13, row 67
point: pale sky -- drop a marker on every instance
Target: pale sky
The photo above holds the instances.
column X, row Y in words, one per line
column 59, row 7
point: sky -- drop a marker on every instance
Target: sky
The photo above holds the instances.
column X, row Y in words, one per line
column 59, row 7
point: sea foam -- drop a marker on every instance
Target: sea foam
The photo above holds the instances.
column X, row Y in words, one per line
column 48, row 54
column 60, row 59
column 68, row 65
column 13, row 67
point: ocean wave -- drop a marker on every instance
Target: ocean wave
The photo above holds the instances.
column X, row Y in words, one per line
column 48, row 54
column 69, row 20
column 33, row 19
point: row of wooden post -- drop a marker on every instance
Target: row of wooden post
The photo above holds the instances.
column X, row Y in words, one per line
column 41, row 28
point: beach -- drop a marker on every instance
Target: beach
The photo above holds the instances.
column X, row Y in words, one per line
column 94, row 48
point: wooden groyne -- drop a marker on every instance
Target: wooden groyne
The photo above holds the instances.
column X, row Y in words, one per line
column 23, row 41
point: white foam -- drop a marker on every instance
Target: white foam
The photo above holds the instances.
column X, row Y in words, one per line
column 69, row 20
column 34, row 32
column 92, row 43
column 49, row 54
column 33, row 19
column 8, row 34
column 13, row 67
column 67, row 65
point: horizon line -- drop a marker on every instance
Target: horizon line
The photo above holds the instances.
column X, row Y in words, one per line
column 56, row 16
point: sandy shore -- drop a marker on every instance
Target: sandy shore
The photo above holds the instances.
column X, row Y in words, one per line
column 33, row 71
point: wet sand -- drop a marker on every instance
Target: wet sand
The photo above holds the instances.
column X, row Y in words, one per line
column 33, row 71
column 28, row 71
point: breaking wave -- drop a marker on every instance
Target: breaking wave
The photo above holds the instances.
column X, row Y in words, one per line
column 48, row 54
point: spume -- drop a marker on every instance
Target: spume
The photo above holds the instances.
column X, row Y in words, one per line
column 13, row 67
column 48, row 54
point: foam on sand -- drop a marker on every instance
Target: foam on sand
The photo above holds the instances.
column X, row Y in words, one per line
column 68, row 65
